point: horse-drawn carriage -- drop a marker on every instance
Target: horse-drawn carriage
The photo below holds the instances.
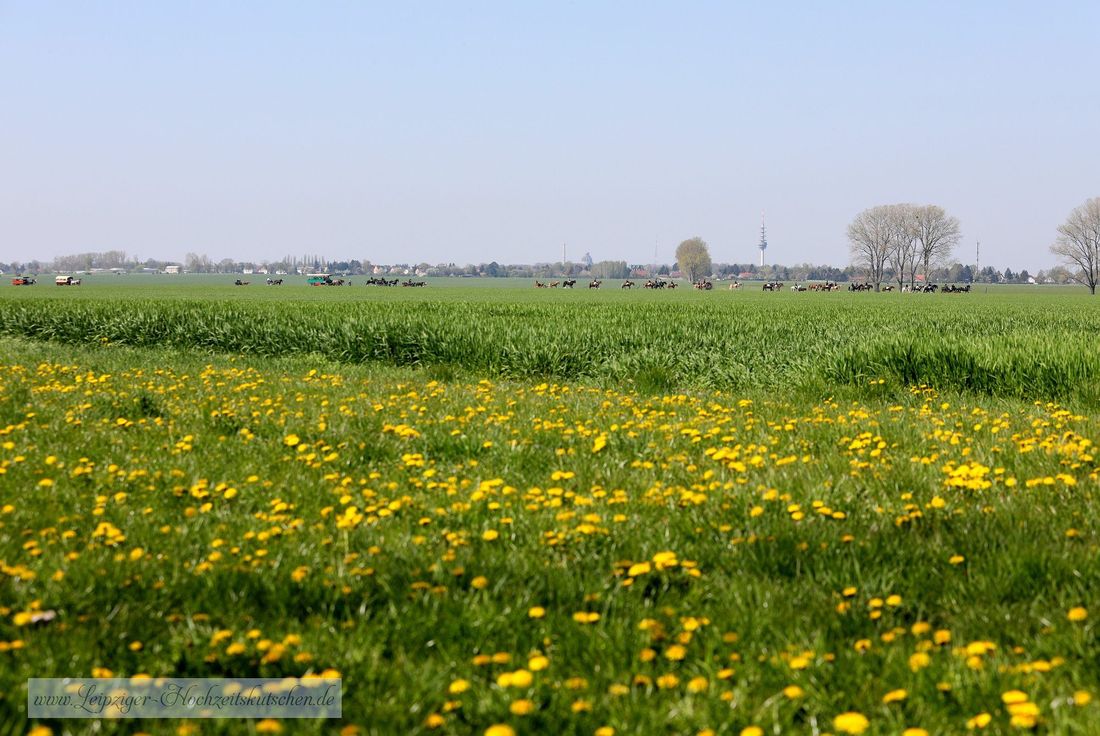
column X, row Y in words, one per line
column 66, row 281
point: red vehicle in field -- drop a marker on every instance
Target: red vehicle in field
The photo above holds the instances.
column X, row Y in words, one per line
column 23, row 281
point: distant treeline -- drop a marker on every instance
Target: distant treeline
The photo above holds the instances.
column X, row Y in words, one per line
column 195, row 263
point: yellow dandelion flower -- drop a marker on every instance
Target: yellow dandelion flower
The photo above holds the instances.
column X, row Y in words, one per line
column 675, row 652
column 979, row 721
column 519, row 678
column 667, row 682
column 919, row 661
column 894, row 696
column 1023, row 721
column 851, row 723
column 1029, row 710
column 793, row 691
column 698, row 685
column 1077, row 613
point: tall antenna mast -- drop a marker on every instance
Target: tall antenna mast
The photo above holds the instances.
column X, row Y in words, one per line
column 563, row 258
column 977, row 259
column 763, row 238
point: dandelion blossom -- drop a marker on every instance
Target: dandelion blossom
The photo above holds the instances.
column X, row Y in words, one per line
column 851, row 723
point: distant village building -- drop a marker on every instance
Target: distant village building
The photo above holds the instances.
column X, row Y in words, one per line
column 172, row 269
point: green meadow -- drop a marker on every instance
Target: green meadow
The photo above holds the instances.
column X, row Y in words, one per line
column 494, row 509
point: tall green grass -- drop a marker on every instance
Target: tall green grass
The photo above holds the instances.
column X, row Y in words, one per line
column 1024, row 347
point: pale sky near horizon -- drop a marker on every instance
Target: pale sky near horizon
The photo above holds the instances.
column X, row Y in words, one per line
column 481, row 131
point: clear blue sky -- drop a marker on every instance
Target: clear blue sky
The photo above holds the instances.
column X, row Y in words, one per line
column 478, row 131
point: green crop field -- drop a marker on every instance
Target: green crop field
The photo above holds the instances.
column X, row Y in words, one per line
column 1006, row 341
column 492, row 509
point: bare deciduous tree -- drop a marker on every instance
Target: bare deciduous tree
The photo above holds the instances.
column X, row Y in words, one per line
column 937, row 234
column 872, row 238
column 903, row 254
column 1078, row 243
